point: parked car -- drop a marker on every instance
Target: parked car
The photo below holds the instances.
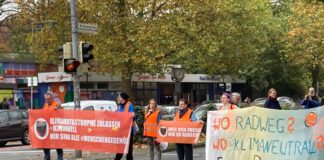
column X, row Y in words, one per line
column 201, row 111
column 286, row 103
column 171, row 109
column 14, row 126
column 93, row 105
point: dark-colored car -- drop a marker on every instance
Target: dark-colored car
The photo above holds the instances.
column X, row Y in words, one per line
column 286, row 103
column 14, row 126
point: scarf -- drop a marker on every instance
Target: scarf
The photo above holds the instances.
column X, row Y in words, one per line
column 182, row 112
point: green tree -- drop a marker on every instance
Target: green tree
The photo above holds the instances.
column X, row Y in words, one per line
column 304, row 41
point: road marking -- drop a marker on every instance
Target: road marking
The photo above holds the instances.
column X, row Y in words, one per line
column 31, row 151
column 174, row 154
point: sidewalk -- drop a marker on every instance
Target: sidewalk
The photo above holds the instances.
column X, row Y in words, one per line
column 103, row 156
column 138, row 152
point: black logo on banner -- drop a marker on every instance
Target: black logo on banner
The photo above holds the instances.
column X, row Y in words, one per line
column 163, row 131
column 41, row 128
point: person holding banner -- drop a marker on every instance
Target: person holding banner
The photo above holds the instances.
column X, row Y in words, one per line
column 310, row 100
column 272, row 101
column 151, row 121
column 226, row 103
column 51, row 104
column 124, row 105
column 184, row 151
column 236, row 99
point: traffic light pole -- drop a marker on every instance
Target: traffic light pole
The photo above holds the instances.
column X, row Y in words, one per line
column 76, row 81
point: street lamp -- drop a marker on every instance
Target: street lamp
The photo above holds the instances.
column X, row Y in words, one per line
column 177, row 75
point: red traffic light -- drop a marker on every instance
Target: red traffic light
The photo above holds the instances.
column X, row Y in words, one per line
column 71, row 65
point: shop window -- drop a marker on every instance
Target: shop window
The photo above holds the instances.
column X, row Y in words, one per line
column 154, row 94
column 202, row 86
column 139, row 85
column 153, row 85
column 101, row 85
column 115, row 86
column 85, row 85
column 147, row 85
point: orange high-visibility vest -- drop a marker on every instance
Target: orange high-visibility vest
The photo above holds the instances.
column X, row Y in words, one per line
column 151, row 124
column 185, row 117
column 51, row 106
column 127, row 110
column 127, row 106
column 231, row 107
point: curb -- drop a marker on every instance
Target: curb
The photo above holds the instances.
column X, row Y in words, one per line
column 174, row 148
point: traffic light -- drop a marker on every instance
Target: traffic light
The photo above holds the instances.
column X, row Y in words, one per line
column 71, row 65
column 85, row 52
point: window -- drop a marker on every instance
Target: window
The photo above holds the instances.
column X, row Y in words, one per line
column 139, row 85
column 101, row 85
column 3, row 116
column 147, row 85
column 14, row 115
column 89, row 108
column 24, row 114
column 85, row 85
column 115, row 85
column 153, row 85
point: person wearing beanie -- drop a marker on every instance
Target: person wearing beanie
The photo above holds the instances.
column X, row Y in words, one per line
column 124, row 105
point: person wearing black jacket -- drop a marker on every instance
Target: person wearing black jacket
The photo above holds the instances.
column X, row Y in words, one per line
column 272, row 101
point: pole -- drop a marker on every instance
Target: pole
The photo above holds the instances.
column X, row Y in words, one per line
column 31, row 93
column 317, row 87
column 76, row 81
column 87, row 76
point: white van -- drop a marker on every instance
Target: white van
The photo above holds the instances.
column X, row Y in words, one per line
column 93, row 105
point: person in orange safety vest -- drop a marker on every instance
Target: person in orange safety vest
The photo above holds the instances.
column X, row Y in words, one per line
column 51, row 104
column 184, row 151
column 152, row 118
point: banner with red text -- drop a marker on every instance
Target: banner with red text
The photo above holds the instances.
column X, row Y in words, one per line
column 179, row 131
column 256, row 133
column 81, row 130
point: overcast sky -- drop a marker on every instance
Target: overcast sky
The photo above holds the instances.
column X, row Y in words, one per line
column 9, row 6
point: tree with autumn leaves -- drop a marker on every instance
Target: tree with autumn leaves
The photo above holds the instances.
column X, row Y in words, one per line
column 305, row 38
column 213, row 37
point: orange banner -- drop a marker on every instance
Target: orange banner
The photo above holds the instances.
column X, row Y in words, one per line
column 179, row 132
column 81, row 130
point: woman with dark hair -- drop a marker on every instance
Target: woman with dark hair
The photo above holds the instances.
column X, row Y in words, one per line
column 184, row 151
column 152, row 118
column 226, row 103
column 272, row 101
column 124, row 105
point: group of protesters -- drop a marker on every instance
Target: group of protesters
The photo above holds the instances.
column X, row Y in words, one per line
column 153, row 116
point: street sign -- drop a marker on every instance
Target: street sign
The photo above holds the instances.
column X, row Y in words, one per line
column 32, row 81
column 87, row 28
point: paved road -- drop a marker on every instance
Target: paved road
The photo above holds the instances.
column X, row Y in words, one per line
column 15, row 151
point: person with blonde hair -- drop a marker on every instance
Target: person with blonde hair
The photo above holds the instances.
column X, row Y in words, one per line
column 310, row 100
column 152, row 118
column 236, row 99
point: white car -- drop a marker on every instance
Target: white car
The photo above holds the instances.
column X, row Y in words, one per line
column 93, row 105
